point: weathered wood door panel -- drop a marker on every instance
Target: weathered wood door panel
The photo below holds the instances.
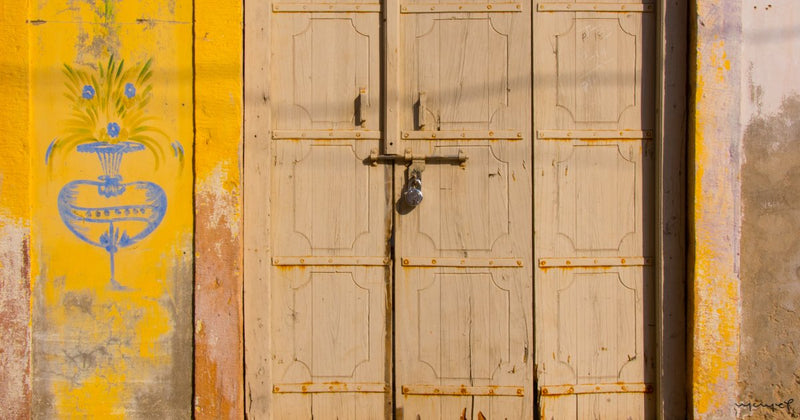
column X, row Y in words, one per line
column 330, row 216
column 593, row 158
column 528, row 263
column 463, row 285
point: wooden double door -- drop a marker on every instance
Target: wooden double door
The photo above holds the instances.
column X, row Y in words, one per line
column 519, row 283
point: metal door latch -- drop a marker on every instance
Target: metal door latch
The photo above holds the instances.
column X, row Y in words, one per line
column 409, row 157
column 413, row 190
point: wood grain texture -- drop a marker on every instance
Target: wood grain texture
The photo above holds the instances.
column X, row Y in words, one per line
column 459, row 325
column 595, row 201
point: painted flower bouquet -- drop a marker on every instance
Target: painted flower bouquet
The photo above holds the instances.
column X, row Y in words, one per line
column 109, row 118
column 109, row 106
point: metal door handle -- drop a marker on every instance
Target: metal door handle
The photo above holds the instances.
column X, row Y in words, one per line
column 361, row 104
column 422, row 109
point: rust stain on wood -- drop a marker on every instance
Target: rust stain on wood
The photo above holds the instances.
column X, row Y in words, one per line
column 218, row 311
column 15, row 396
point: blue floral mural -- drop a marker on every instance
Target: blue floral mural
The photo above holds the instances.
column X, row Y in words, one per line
column 109, row 119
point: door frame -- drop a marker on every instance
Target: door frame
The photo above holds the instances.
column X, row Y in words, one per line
column 670, row 205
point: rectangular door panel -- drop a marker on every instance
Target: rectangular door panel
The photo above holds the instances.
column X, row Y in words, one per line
column 325, row 73
column 329, row 351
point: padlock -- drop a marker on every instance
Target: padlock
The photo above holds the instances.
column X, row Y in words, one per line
column 413, row 194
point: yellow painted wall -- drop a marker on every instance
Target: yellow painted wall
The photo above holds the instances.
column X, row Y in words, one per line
column 219, row 347
column 102, row 350
column 716, row 197
column 14, row 213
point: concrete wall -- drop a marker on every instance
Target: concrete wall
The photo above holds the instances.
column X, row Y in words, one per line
column 770, row 252
column 746, row 255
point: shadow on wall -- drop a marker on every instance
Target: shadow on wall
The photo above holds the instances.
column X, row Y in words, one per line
column 770, row 261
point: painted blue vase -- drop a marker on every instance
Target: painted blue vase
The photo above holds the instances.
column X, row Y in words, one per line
column 109, row 213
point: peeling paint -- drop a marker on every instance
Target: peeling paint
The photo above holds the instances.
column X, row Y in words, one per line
column 715, row 229
column 14, row 319
column 219, row 351
column 15, row 378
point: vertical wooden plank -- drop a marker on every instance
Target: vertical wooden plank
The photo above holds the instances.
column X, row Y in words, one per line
column 593, row 198
column 671, row 186
column 391, row 75
column 219, row 351
column 325, row 323
column 257, row 181
column 466, row 326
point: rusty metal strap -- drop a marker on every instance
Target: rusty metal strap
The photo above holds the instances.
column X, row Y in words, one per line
column 618, row 388
column 485, row 390
column 326, row 7
column 460, row 7
column 462, row 262
column 326, row 135
column 329, row 387
column 303, row 261
column 463, row 135
column 595, row 134
column 595, row 262
column 597, row 7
